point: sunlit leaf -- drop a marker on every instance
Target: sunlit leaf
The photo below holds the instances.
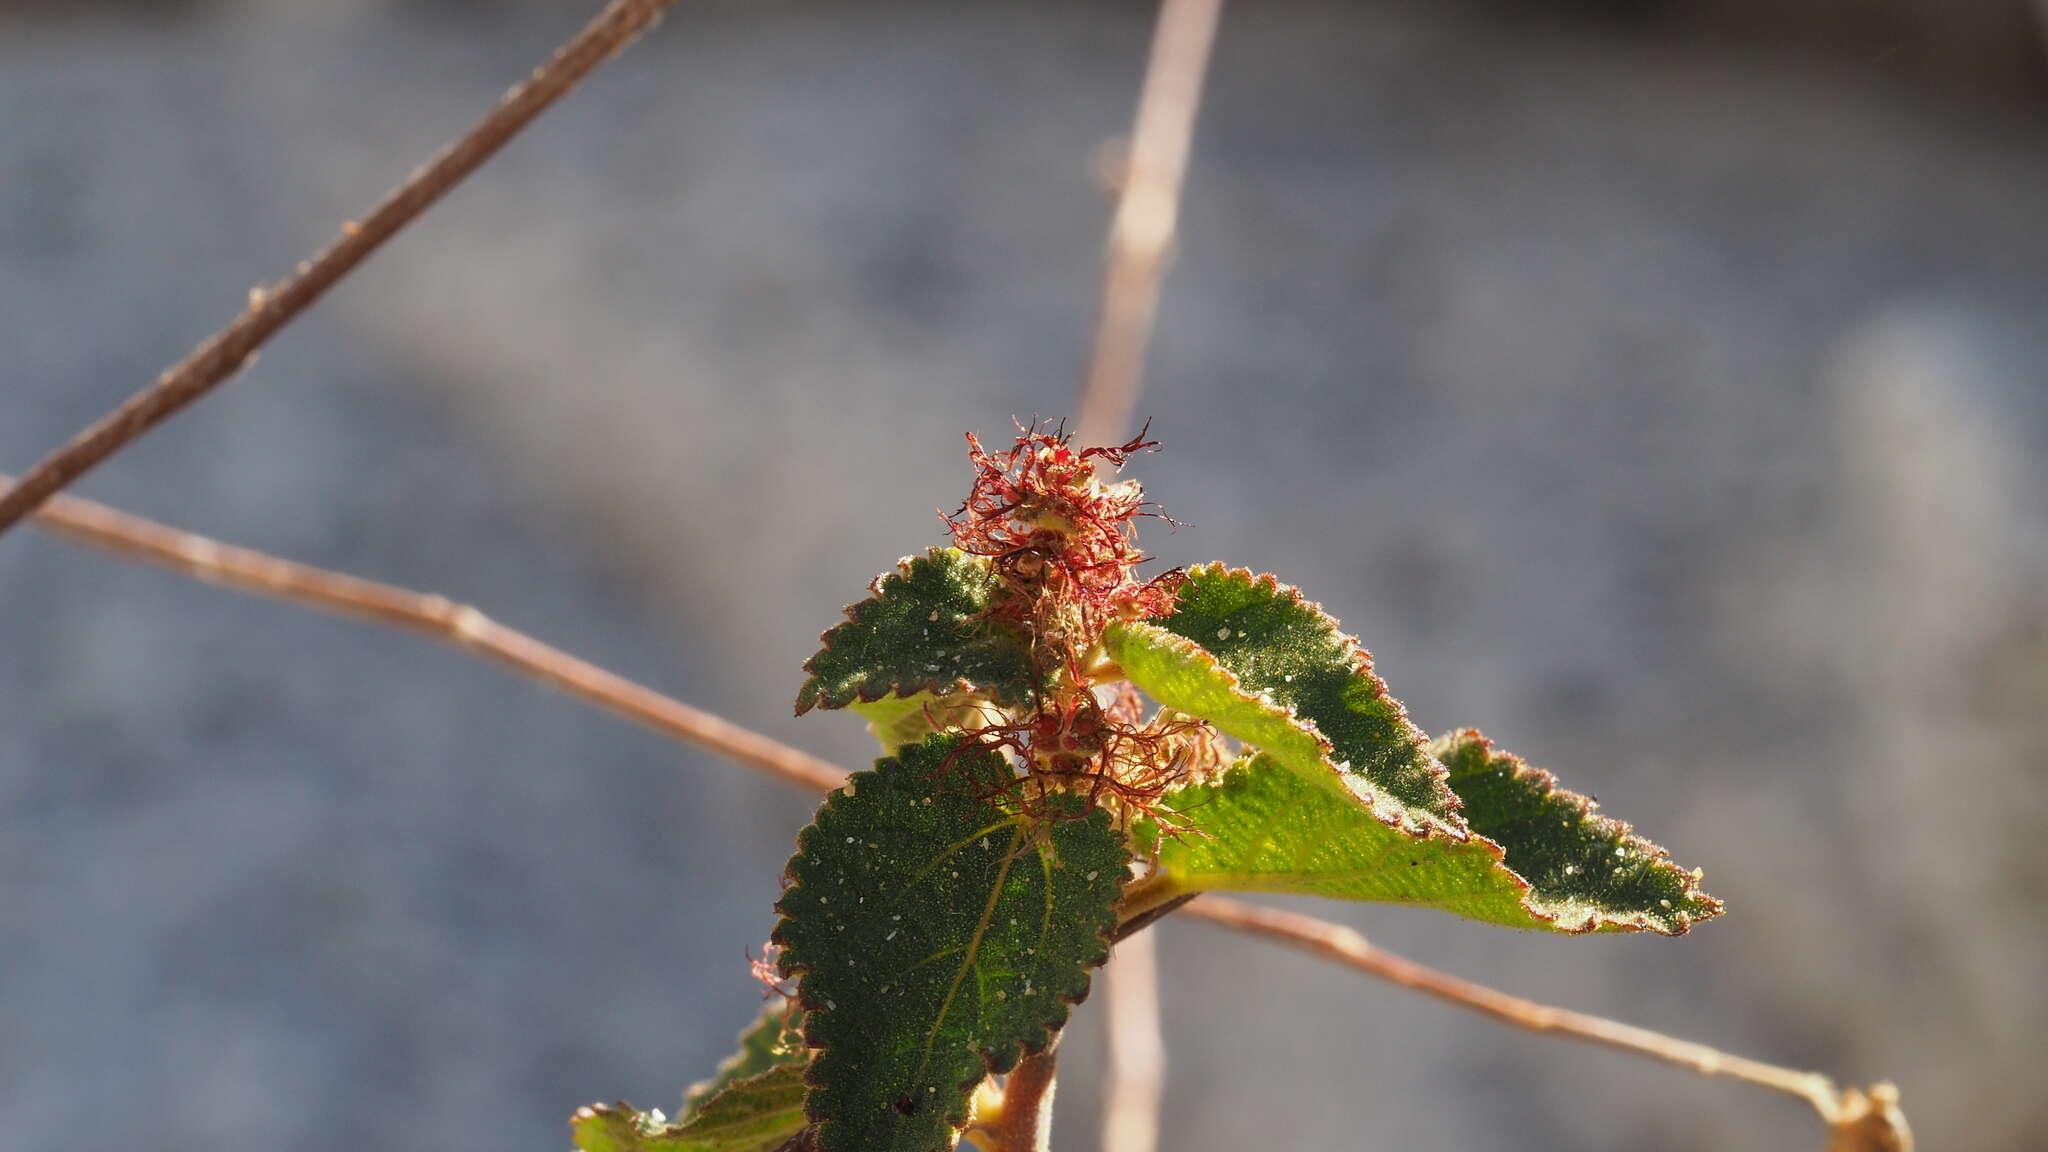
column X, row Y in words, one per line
column 1345, row 797
column 759, row 1114
column 938, row 934
column 1268, row 667
column 925, row 630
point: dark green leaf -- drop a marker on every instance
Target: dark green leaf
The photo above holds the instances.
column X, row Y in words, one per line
column 938, row 935
column 924, row 630
column 1584, row 868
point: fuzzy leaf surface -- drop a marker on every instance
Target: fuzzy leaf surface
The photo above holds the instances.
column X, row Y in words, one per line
column 923, row 630
column 937, row 936
column 1582, row 867
column 1346, row 799
column 1262, row 828
column 1268, row 667
column 774, row 1039
column 758, row 1114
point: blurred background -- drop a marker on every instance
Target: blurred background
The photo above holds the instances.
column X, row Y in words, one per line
column 1662, row 386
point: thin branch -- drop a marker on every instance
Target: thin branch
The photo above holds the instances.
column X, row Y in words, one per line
column 1856, row 1120
column 233, row 347
column 246, row 570
column 1137, row 1048
column 1147, row 215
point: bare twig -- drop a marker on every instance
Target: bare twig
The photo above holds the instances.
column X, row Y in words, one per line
column 1137, row 1048
column 228, row 350
column 1147, row 214
column 1860, row 1122
column 246, row 570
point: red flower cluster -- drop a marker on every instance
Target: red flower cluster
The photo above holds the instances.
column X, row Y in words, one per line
column 1056, row 531
column 1065, row 545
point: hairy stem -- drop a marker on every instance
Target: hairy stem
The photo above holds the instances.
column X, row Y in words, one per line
column 233, row 347
column 1025, row 1124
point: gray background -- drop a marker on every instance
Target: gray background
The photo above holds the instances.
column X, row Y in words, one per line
column 1663, row 387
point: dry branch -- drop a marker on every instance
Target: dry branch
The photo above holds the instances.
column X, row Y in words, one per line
column 228, row 350
column 1858, row 1122
column 1147, row 215
column 246, row 570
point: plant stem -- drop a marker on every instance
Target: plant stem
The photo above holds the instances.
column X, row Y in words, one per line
column 246, row 570
column 1145, row 895
column 1026, row 1121
column 233, row 347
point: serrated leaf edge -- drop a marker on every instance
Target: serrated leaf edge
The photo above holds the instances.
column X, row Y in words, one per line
column 993, row 1063
column 807, row 698
column 1459, row 832
column 1587, row 809
column 1361, row 669
column 1351, row 785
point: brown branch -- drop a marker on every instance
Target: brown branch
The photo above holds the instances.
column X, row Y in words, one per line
column 1148, row 209
column 228, row 350
column 246, row 570
column 1858, row 1122
column 1137, row 1049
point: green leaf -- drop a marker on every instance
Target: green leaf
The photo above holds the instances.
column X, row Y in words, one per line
column 938, row 934
column 774, row 1039
column 1266, row 666
column 1262, row 828
column 759, row 1114
column 1346, row 798
column 925, row 629
column 899, row 720
column 1584, row 868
